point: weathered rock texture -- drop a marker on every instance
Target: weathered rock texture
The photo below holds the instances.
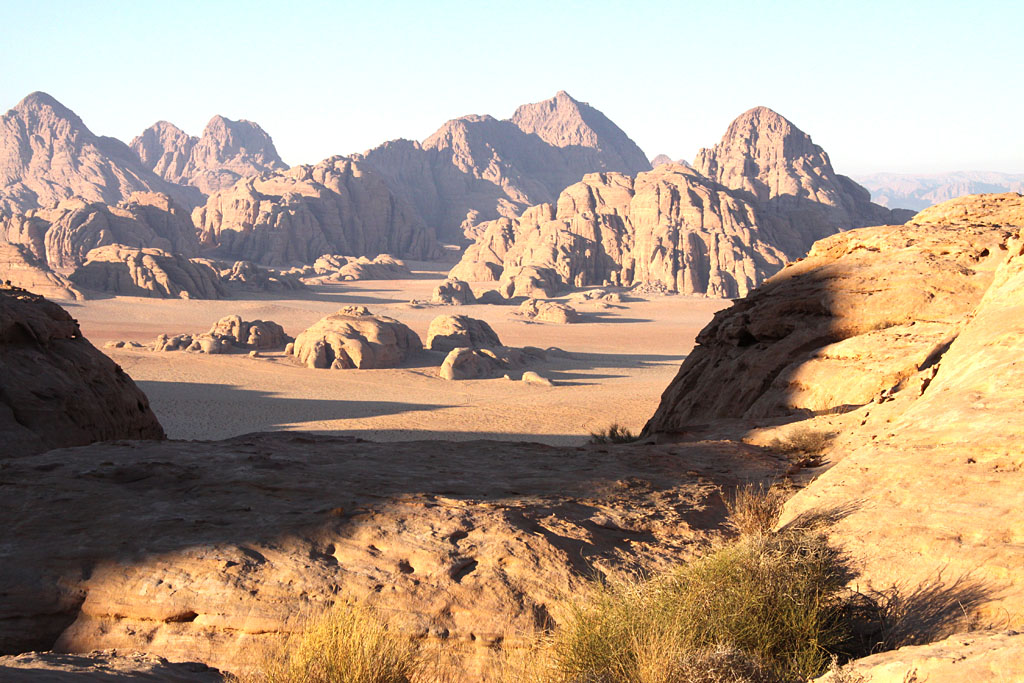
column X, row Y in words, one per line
column 353, row 338
column 548, row 312
column 21, row 269
column 488, row 362
column 251, row 334
column 334, row 267
column 759, row 198
column 47, row 154
column 62, row 236
column 130, row 271
column 447, row 332
column 907, row 338
column 477, row 168
column 108, row 665
column 338, row 206
column 226, row 152
column 206, row 551
column 56, row 389
column 247, row 277
column 453, row 292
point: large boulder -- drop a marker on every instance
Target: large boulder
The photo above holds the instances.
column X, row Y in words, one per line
column 448, row 332
column 339, row 268
column 453, row 292
column 258, row 335
column 354, row 338
column 56, row 389
column 130, row 271
column 529, row 281
column 548, row 312
column 248, row 277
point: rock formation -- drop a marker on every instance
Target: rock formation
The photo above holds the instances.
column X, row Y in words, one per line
column 47, row 154
column 62, row 236
column 248, row 277
column 354, row 338
column 489, row 363
column 338, row 268
column 448, row 332
column 918, row 192
column 759, row 198
column 51, row 667
column 453, row 292
column 257, row 335
column 548, row 312
column 477, row 168
column 130, row 271
column 904, row 342
column 226, row 152
column 338, row 206
column 21, row 269
column 56, row 389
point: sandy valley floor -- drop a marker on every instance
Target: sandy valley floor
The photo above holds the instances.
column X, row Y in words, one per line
column 622, row 358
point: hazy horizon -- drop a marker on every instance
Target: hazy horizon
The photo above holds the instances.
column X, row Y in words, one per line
column 328, row 79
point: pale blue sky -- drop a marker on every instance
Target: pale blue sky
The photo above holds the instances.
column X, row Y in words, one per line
column 882, row 86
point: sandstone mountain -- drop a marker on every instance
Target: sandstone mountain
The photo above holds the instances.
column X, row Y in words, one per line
column 759, row 198
column 478, row 168
column 47, row 154
column 663, row 159
column 226, row 152
column 917, row 192
column 339, row 206
column 903, row 342
column 57, row 389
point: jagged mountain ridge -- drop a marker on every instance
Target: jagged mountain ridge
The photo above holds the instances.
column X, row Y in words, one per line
column 47, row 154
column 226, row 152
column 477, row 168
column 760, row 197
column 918, row 192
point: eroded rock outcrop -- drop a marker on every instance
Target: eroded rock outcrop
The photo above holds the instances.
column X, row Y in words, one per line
column 477, row 168
column 353, row 338
column 338, row 268
column 338, row 206
column 56, row 389
column 226, row 152
column 548, row 312
column 447, row 332
column 53, row 667
column 248, row 277
column 47, row 155
column 903, row 342
column 20, row 268
column 453, row 292
column 258, row 335
column 130, row 271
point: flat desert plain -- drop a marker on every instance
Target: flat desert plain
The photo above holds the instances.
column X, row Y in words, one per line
column 619, row 360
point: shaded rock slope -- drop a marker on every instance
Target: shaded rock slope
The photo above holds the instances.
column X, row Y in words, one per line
column 903, row 342
column 759, row 198
column 47, row 154
column 226, row 152
column 477, row 168
column 56, row 389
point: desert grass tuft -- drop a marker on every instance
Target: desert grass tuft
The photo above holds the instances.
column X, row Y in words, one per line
column 615, row 433
column 804, row 446
column 755, row 509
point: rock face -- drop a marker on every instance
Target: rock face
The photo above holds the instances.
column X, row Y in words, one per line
column 47, row 154
column 226, row 152
column 51, row 667
column 353, row 338
column 906, row 341
column 759, row 198
column 62, row 236
column 448, row 332
column 477, row 168
column 207, row 551
column 335, row 207
column 131, row 271
column 22, row 269
column 56, row 388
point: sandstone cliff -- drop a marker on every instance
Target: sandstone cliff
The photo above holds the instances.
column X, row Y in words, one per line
column 338, row 206
column 903, row 342
column 56, row 389
column 226, row 152
column 149, row 272
column 759, row 198
column 477, row 168
column 47, row 154
column 20, row 268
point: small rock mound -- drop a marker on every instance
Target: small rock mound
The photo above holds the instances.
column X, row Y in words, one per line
column 257, row 335
column 338, row 268
column 131, row 271
column 355, row 338
column 531, row 281
column 453, row 292
column 465, row 363
column 548, row 312
column 246, row 276
column 57, row 389
column 449, row 332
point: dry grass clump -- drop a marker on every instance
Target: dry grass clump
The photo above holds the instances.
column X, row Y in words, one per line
column 615, row 433
column 754, row 510
column 346, row 644
column 765, row 608
column 804, row 446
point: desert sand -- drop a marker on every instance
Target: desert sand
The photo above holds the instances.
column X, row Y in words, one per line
column 621, row 359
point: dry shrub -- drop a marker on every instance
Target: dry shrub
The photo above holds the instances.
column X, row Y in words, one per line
column 346, row 644
column 804, row 446
column 754, row 510
column 615, row 433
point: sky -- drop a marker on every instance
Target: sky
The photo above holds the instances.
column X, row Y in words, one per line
column 912, row 87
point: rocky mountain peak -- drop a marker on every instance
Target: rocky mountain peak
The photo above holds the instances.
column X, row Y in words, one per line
column 39, row 102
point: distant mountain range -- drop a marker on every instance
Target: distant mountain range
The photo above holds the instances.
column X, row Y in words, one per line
column 917, row 192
